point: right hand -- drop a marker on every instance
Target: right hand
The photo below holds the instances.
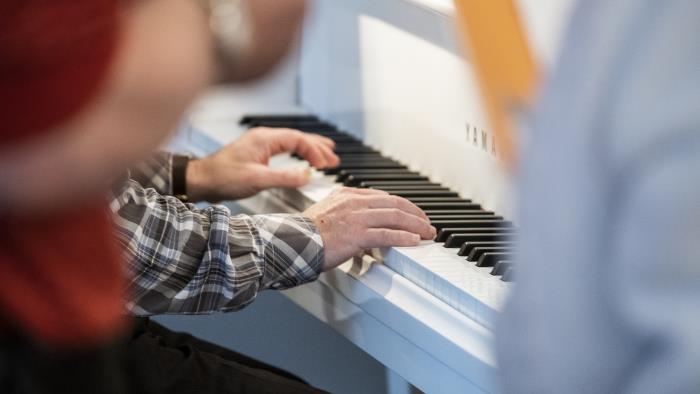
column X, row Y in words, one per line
column 351, row 221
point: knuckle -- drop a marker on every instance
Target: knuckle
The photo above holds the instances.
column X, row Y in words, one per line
column 346, row 202
column 384, row 236
column 396, row 201
column 397, row 215
column 256, row 132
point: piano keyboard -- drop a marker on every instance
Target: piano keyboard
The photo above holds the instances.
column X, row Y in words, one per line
column 470, row 262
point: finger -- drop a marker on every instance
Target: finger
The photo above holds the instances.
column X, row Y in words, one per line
column 311, row 153
column 306, row 145
column 267, row 178
column 389, row 201
column 284, row 140
column 325, row 147
column 354, row 190
column 382, row 237
column 332, row 160
column 324, row 140
column 397, row 219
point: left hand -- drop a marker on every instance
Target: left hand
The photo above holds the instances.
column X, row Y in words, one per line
column 240, row 169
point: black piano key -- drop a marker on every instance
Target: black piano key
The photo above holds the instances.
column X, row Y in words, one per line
column 306, row 127
column 349, row 163
column 476, row 216
column 340, row 139
column 488, row 259
column 343, row 140
column 355, row 180
column 398, row 183
column 326, row 130
column 310, row 126
column 443, row 234
column 411, row 188
column 509, row 275
column 340, row 145
column 474, row 223
column 418, row 200
column 479, row 251
column 247, row 119
column 445, row 206
column 456, row 212
column 359, row 166
column 354, row 149
column 361, row 156
column 344, row 173
column 467, row 247
column 447, row 213
column 501, row 267
column 456, row 240
column 422, row 193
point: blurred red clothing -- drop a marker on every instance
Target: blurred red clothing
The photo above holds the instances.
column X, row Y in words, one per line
column 61, row 274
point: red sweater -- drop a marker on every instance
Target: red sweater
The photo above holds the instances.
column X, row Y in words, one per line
column 61, row 276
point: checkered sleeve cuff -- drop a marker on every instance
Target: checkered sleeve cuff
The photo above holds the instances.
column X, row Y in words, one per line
column 291, row 248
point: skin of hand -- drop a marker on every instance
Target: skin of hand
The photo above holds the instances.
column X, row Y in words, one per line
column 240, row 169
column 353, row 220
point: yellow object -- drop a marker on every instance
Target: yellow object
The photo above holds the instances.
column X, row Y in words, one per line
column 502, row 60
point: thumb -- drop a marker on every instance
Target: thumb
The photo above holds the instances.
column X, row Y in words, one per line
column 269, row 177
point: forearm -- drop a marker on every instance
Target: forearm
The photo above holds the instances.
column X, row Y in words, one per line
column 185, row 260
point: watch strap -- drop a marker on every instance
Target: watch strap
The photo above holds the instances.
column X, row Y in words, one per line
column 179, row 176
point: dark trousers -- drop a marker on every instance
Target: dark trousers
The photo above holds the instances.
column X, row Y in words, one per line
column 153, row 360
column 30, row 368
column 163, row 361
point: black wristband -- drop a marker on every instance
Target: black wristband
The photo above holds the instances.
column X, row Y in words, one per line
column 179, row 173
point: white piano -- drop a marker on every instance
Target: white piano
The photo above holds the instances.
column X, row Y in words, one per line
column 391, row 74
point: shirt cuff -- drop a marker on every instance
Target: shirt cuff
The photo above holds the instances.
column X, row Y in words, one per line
column 291, row 248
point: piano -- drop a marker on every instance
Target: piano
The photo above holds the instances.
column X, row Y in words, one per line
column 387, row 81
column 471, row 260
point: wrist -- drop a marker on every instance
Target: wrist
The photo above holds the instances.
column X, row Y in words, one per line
column 197, row 189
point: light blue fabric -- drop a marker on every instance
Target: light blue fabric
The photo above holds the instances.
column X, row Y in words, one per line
column 608, row 295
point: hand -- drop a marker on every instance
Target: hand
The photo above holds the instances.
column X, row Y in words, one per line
column 240, row 170
column 353, row 220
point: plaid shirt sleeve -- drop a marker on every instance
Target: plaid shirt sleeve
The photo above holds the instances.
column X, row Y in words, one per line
column 187, row 260
column 156, row 172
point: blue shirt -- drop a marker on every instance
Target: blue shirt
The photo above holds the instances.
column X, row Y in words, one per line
column 607, row 298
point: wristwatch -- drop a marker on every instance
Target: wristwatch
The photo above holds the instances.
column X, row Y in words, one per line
column 179, row 177
column 230, row 26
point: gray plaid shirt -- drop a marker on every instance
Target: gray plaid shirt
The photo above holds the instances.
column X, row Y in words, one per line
column 186, row 260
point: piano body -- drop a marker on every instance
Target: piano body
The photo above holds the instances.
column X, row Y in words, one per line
column 387, row 80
